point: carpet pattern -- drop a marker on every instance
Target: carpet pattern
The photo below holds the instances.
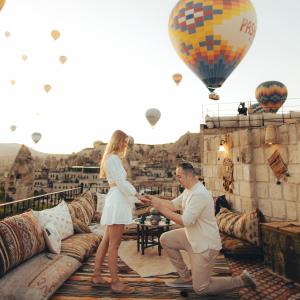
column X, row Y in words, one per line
column 270, row 286
column 78, row 286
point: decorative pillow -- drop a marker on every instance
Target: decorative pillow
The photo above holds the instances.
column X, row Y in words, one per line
column 52, row 238
column 89, row 196
column 21, row 237
column 100, row 202
column 59, row 216
column 82, row 209
column 80, row 227
column 247, row 227
column 244, row 226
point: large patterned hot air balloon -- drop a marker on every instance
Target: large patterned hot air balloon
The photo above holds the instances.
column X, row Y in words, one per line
column 47, row 88
column 153, row 115
column 36, row 136
column 212, row 36
column 271, row 95
column 177, row 77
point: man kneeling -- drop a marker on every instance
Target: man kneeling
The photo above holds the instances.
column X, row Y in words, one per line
column 199, row 237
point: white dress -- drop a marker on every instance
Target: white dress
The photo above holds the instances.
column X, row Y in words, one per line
column 120, row 199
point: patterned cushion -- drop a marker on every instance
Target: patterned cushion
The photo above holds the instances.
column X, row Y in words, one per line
column 59, row 216
column 92, row 198
column 82, row 208
column 80, row 227
column 52, row 238
column 21, row 237
column 80, row 246
column 244, row 226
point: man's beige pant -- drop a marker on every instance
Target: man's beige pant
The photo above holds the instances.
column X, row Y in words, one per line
column 201, row 263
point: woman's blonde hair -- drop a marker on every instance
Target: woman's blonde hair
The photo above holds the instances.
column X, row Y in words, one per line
column 116, row 145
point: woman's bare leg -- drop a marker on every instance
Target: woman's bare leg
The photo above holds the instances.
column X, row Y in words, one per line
column 115, row 236
column 101, row 253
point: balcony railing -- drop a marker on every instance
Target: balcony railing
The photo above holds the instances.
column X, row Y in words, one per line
column 52, row 199
column 38, row 202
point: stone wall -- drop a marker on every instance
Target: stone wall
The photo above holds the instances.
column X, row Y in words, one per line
column 254, row 184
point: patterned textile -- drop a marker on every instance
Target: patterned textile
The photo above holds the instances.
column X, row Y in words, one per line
column 91, row 198
column 21, row 237
column 80, row 227
column 232, row 246
column 80, row 246
column 78, row 286
column 244, row 226
column 52, row 238
column 227, row 174
column 82, row 208
column 277, row 165
column 59, row 216
column 39, row 277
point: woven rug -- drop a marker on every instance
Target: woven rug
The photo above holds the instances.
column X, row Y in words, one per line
column 149, row 264
column 270, row 285
column 78, row 286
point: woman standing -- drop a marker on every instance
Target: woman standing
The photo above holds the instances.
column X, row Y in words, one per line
column 117, row 210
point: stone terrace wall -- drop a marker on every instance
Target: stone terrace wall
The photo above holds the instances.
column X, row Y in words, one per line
column 254, row 185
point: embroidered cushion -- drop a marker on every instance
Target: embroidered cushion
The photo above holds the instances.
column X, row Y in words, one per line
column 82, row 208
column 80, row 246
column 52, row 238
column 21, row 237
column 58, row 216
column 80, row 227
column 244, row 226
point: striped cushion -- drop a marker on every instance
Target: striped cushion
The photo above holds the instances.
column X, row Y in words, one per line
column 21, row 237
column 83, row 208
column 80, row 246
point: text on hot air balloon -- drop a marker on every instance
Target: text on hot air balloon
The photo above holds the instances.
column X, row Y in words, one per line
column 248, row 27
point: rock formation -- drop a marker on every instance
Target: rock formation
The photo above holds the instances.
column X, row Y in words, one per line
column 21, row 176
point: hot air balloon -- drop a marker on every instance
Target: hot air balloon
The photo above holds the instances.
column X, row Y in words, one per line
column 2, row 2
column 177, row 78
column 153, row 115
column 7, row 34
column 36, row 136
column 62, row 59
column 13, row 127
column 212, row 37
column 24, row 57
column 47, row 87
column 271, row 95
column 55, row 34
column 13, row 82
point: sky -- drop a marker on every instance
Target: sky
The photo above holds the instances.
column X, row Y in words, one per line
column 120, row 62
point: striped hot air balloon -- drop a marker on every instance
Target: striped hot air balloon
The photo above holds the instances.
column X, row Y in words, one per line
column 271, row 95
column 212, row 36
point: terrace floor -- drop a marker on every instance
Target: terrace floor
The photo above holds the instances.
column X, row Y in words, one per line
column 270, row 286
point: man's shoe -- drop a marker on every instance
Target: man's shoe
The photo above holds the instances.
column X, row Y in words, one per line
column 180, row 283
column 248, row 280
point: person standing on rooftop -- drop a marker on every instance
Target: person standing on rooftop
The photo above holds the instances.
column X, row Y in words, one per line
column 117, row 211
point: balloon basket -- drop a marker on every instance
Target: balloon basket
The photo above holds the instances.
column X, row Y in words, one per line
column 213, row 96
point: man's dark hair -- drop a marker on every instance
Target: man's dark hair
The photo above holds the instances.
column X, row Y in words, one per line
column 187, row 167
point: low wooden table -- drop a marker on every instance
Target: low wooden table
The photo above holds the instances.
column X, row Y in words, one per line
column 148, row 235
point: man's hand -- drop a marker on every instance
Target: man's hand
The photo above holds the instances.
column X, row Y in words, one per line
column 155, row 201
column 145, row 200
